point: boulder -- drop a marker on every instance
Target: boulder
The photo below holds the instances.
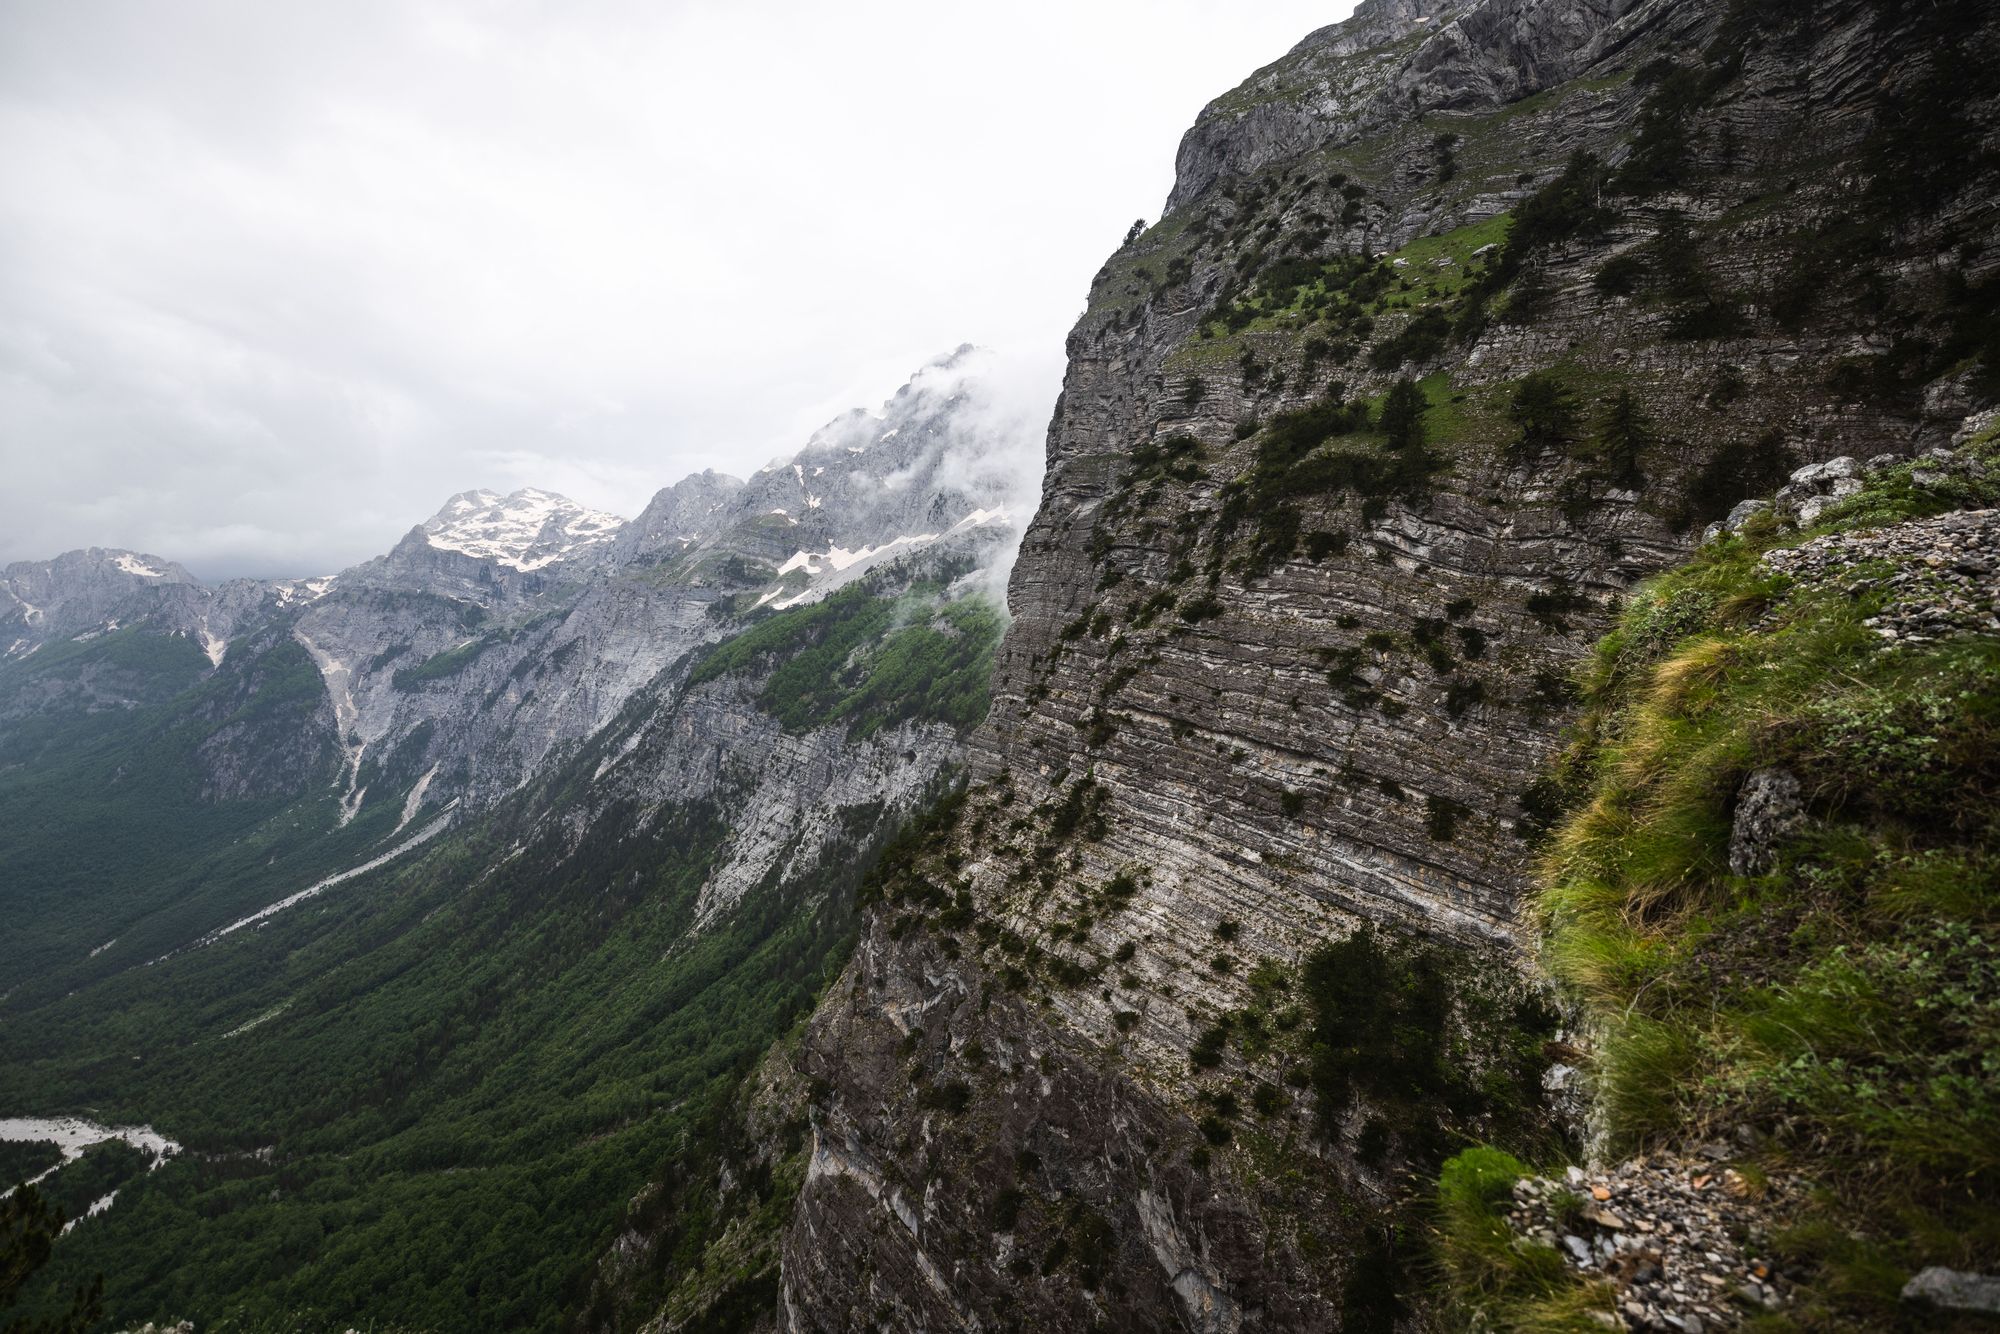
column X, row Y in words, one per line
column 1955, row 1290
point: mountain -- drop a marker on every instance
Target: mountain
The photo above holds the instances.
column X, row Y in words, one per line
column 1463, row 320
column 1480, row 811
column 525, row 531
column 429, row 905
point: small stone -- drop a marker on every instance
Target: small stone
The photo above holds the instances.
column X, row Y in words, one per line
column 1599, row 1193
column 1577, row 1247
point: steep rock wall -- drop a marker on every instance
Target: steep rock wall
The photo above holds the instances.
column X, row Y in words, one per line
column 1243, row 708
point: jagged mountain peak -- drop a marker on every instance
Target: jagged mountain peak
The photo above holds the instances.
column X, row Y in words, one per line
column 142, row 566
column 1394, row 62
column 106, row 561
column 525, row 529
column 91, row 589
column 1377, row 21
column 933, row 459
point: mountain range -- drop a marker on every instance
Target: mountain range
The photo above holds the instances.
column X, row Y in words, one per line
column 1478, row 810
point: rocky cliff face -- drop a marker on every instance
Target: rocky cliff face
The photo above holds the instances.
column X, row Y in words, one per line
column 1462, row 319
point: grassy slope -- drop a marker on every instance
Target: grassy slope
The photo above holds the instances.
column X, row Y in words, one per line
column 1845, row 1005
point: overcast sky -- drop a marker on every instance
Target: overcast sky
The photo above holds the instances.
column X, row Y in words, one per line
column 278, row 277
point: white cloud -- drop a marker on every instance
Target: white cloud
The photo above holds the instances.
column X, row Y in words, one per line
column 277, row 278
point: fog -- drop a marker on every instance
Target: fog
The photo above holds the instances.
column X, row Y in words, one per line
column 275, row 280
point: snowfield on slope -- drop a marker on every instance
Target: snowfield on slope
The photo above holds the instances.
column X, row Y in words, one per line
column 526, row 530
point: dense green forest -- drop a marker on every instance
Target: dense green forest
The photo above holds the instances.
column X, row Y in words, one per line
column 426, row 1100
column 108, row 835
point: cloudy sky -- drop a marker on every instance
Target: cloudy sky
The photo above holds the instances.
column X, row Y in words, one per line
column 278, row 277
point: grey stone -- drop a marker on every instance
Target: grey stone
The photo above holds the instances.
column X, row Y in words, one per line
column 1743, row 512
column 1768, row 811
column 1819, row 475
column 1955, row 1290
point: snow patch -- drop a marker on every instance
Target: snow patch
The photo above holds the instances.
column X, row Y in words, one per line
column 131, row 564
column 526, row 530
column 840, row 558
column 30, row 613
column 302, row 590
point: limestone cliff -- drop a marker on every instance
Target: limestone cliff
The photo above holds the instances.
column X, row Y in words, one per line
column 1462, row 319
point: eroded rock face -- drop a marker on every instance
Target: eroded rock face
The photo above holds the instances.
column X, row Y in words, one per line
column 1396, row 60
column 943, row 1219
column 1268, row 707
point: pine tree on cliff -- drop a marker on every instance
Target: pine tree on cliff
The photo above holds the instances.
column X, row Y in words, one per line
column 1623, row 437
column 1402, row 424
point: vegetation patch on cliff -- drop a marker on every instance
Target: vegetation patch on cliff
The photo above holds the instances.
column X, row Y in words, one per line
column 1776, row 889
column 868, row 660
